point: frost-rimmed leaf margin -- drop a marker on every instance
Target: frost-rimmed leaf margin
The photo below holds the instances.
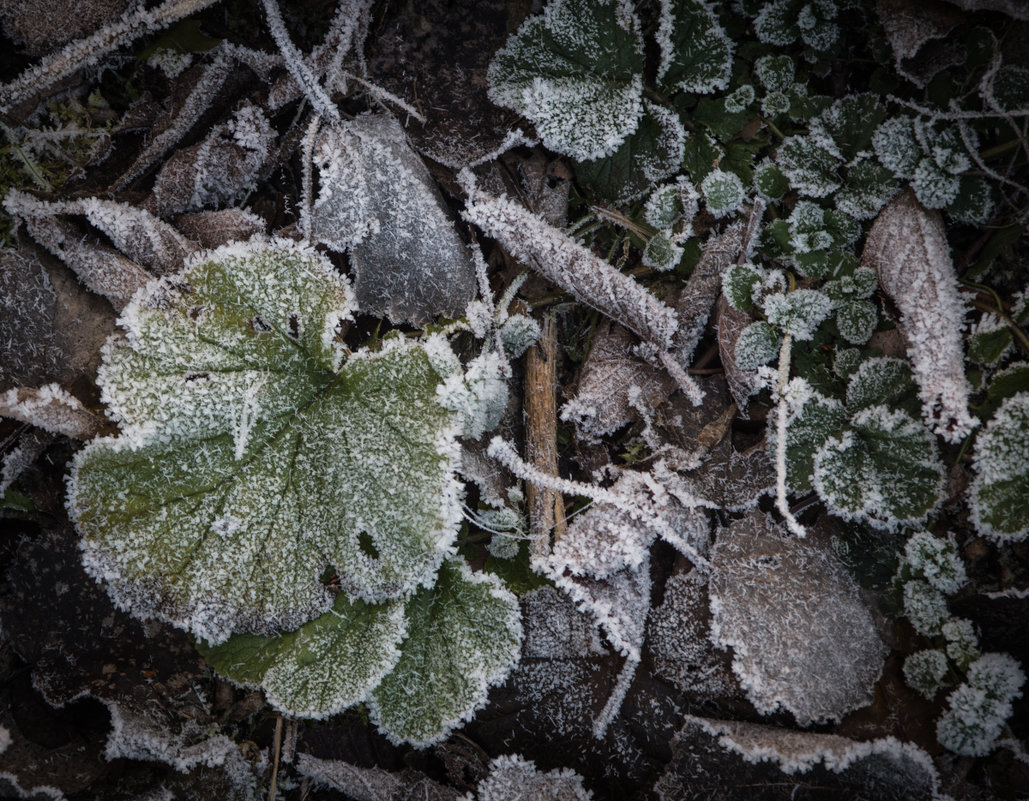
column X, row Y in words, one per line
column 278, row 588
column 998, row 493
column 401, row 704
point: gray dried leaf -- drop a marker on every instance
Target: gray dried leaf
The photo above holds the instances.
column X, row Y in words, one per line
column 601, row 403
column 719, row 758
column 917, row 32
column 377, row 200
column 678, row 641
column 907, row 247
column 44, row 25
column 514, row 778
column 219, row 168
column 733, row 480
column 729, row 323
column 373, row 784
column 802, row 638
column 212, row 229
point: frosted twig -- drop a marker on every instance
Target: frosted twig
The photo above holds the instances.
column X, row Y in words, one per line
column 617, row 697
column 297, row 66
column 935, row 115
column 307, row 157
column 781, row 407
column 685, row 381
column 381, row 94
column 91, row 49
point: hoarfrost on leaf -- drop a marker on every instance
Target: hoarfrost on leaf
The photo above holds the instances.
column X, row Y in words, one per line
column 479, row 395
column 696, row 53
column 238, row 404
column 979, row 708
column 925, row 607
column 896, row 145
column 926, row 672
column 723, row 192
column 962, row 642
column 775, row 73
column 377, row 199
column 757, row 344
column 798, row 313
column 576, row 73
column 999, row 493
column 856, row 321
column 763, row 588
column 936, row 560
column 512, row 777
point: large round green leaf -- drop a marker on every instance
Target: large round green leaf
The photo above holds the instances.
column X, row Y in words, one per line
column 255, row 455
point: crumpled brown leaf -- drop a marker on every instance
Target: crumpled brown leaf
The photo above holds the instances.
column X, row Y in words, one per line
column 213, row 229
column 729, row 323
column 917, row 31
column 908, row 249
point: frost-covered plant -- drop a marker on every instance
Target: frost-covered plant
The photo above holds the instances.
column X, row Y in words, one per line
column 978, row 709
column 926, row 671
column 866, row 456
column 1000, row 491
column 257, row 457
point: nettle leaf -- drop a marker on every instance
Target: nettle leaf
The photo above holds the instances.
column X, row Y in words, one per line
column 757, row 344
column 896, row 145
column 775, row 73
column 696, row 54
column 648, row 155
column 323, row 667
column 813, row 422
column 576, row 72
column 975, row 200
column 1000, row 491
column 884, row 381
column 739, row 284
column 856, row 321
column 883, row 469
column 850, row 123
column 723, row 192
column 464, row 633
column 769, row 180
column 798, row 313
column 255, row 454
column 810, row 167
column 869, row 187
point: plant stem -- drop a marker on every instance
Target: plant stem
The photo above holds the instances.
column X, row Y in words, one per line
column 781, row 500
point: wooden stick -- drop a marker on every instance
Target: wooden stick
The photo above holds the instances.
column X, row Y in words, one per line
column 546, row 506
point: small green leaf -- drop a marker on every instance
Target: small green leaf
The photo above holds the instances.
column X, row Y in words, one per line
column 661, row 253
column 816, row 420
column 810, row 167
column 576, row 73
column 464, row 634
column 775, row 73
column 769, row 181
column 323, row 667
column 868, row 188
column 986, row 347
column 850, row 122
column 1000, row 491
column 882, row 470
column 856, row 321
column 975, row 200
column 12, row 499
column 881, row 381
column 700, row 155
column 739, row 283
column 696, row 54
column 758, row 344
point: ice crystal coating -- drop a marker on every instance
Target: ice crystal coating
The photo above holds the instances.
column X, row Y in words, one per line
column 809, row 165
column 254, row 454
column 856, row 321
column 479, row 396
column 696, row 54
column 926, row 671
column 962, row 642
column 775, row 73
column 769, row 180
column 763, row 590
column 936, row 560
column 1000, row 490
column 798, row 313
column 925, row 607
column 377, row 199
column 517, row 333
column 576, row 73
column 323, row 667
column 907, row 247
column 672, row 204
column 723, row 192
column 740, row 284
column 464, row 633
column 757, row 344
column 661, row 253
column 781, row 22
column 979, row 707
column 512, row 777
column 896, row 145
column 739, row 100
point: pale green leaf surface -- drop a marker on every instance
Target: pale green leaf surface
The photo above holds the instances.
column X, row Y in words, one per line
column 464, row 634
column 250, row 461
column 323, row 667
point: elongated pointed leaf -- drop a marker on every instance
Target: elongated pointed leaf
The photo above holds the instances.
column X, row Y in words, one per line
column 464, row 634
column 252, row 460
column 323, row 667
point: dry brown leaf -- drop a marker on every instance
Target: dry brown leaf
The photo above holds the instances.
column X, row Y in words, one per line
column 907, row 247
column 917, row 31
column 729, row 323
column 51, row 408
column 373, row 784
column 43, row 25
column 213, row 229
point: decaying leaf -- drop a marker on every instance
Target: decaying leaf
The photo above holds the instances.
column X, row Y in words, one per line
column 917, row 32
column 730, row 323
column 51, row 408
column 29, row 341
column 373, row 784
column 907, row 247
column 377, row 200
column 512, row 777
column 212, row 229
column 729, row 759
column 765, row 589
column 43, row 25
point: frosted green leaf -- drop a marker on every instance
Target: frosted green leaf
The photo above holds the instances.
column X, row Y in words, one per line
column 849, row 123
column 517, row 333
column 741, row 99
column 672, row 203
column 464, row 634
column 810, row 167
column 696, row 54
column 782, row 22
column 859, row 284
column 323, row 667
column 1000, row 491
column 975, row 200
column 661, row 253
column 869, row 187
column 897, row 147
column 758, row 344
column 1011, row 87
column 775, row 103
column 723, row 192
column 934, row 186
column 962, row 642
column 769, row 181
column 926, row 672
column 856, row 320
column 988, row 345
column 739, row 283
column 883, row 470
column 775, row 73
column 925, row 607
column 798, row 313
column 936, row 560
column 816, row 419
column 881, row 380
column 255, row 454
column 576, row 72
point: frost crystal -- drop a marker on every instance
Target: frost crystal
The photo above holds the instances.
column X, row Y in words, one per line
column 696, row 54
column 798, row 313
column 479, row 396
column 377, row 199
column 512, row 778
column 723, row 192
column 925, row 607
column 925, row 671
column 979, row 707
column 236, row 400
column 576, row 73
column 896, row 145
column 1000, row 491
column 757, row 344
column 962, row 642
column 936, row 560
column 907, row 247
column 775, row 72
column 763, row 588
